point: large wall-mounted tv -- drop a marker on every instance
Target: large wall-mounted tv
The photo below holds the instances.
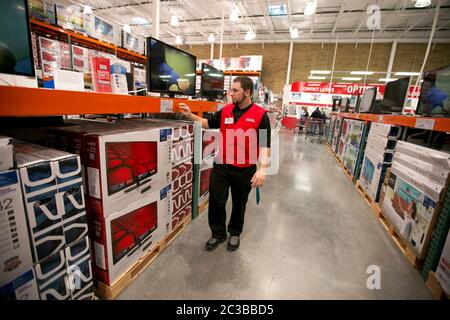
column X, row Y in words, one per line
column 434, row 97
column 16, row 56
column 129, row 163
column 130, row 231
column 212, row 82
column 169, row 70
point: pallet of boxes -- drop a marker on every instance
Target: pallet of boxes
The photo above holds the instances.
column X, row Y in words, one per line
column 414, row 190
column 46, row 252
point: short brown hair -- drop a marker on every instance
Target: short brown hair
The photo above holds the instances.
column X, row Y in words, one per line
column 246, row 84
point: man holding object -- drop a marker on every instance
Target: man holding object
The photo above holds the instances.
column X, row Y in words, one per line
column 242, row 161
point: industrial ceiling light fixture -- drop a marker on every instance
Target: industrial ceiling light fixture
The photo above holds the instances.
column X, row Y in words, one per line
column 362, row 73
column 250, row 35
column 87, row 10
column 174, row 21
column 386, row 79
column 321, row 71
column 310, row 8
column 351, row 78
column 178, row 40
column 401, row 73
column 211, row 38
column 126, row 28
column 316, row 78
column 422, row 3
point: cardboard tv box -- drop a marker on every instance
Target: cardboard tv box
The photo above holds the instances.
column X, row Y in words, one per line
column 443, row 268
column 6, row 153
column 385, row 130
column 372, row 174
column 23, row 287
column 121, row 239
column 411, row 204
column 15, row 253
column 123, row 167
column 182, row 184
column 53, row 196
column 355, row 132
column 433, row 157
column 387, row 144
column 79, row 269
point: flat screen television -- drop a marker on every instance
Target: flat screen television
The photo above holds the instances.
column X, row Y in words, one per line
column 169, row 70
column 16, row 56
column 435, row 92
column 344, row 104
column 394, row 95
column 130, row 231
column 212, row 82
column 353, row 103
column 367, row 100
column 130, row 163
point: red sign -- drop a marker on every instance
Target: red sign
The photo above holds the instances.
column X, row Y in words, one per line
column 336, row 88
column 101, row 75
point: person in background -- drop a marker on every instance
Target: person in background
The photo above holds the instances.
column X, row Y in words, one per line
column 239, row 118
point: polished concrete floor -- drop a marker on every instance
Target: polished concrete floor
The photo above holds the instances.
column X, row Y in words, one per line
column 311, row 237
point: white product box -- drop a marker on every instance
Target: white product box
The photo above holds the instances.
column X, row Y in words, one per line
column 58, row 289
column 124, row 166
column 53, row 196
column 383, row 155
column 6, row 153
column 372, row 175
column 411, row 204
column 24, row 287
column 437, row 174
column 121, row 239
column 443, row 268
column 436, row 158
column 79, row 269
column 382, row 142
column 385, row 130
column 15, row 251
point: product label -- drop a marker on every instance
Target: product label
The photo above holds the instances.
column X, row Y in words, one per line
column 166, row 106
column 427, row 124
column 100, row 260
column 164, row 192
column 94, row 182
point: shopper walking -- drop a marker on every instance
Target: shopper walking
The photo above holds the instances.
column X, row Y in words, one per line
column 241, row 163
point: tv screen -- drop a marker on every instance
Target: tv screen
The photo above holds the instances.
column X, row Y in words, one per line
column 170, row 70
column 434, row 94
column 212, row 82
column 128, row 163
column 395, row 94
column 16, row 56
column 367, row 100
column 132, row 229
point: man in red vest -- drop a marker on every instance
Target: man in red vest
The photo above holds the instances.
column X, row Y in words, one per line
column 241, row 163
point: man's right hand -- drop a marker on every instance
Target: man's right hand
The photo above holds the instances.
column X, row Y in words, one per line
column 185, row 110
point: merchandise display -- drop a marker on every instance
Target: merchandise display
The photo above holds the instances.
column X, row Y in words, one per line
column 24, row 287
column 43, row 10
column 15, row 252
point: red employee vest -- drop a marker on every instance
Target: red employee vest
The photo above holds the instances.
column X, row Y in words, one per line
column 239, row 141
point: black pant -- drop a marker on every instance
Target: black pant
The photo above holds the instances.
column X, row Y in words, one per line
column 224, row 177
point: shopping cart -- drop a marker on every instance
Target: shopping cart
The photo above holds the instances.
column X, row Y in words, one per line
column 314, row 128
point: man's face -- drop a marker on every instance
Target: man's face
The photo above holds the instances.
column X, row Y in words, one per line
column 237, row 93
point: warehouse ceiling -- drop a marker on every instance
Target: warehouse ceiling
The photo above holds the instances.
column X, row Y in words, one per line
column 275, row 21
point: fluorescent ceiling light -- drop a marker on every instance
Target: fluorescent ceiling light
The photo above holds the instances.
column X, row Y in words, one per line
column 234, row 15
column 87, row 10
column 250, row 35
column 211, row 38
column 294, row 33
column 310, row 8
column 351, row 78
column 321, row 71
column 362, row 73
column 316, row 78
column 126, row 28
column 174, row 21
column 386, row 79
column 422, row 3
column 401, row 73
column 139, row 21
column 178, row 40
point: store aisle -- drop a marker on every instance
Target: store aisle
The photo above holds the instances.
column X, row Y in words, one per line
column 311, row 237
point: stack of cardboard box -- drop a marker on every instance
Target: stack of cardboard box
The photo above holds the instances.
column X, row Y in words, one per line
column 415, row 190
column 379, row 152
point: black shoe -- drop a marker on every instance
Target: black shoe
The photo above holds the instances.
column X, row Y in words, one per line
column 233, row 243
column 213, row 243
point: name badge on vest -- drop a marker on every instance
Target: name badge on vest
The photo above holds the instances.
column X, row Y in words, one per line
column 229, row 120
column 250, row 120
